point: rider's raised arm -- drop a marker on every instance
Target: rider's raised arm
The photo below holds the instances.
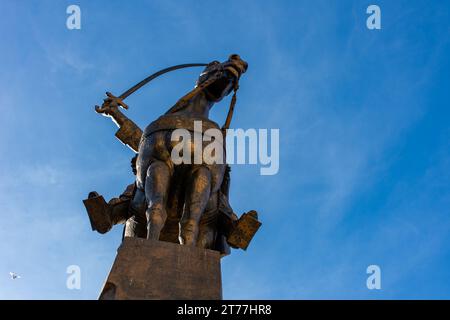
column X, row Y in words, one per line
column 129, row 133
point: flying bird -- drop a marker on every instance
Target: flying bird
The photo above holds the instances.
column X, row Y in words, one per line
column 14, row 276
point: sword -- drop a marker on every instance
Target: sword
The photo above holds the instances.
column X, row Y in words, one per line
column 112, row 101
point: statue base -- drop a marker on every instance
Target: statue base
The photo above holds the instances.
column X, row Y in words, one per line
column 148, row 269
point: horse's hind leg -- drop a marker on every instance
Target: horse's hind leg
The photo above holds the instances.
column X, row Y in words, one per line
column 136, row 224
column 157, row 184
column 197, row 195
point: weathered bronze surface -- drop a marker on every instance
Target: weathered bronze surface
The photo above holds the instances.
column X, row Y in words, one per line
column 244, row 230
column 148, row 269
column 180, row 203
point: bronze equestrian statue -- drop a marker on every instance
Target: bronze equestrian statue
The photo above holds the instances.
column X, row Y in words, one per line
column 185, row 203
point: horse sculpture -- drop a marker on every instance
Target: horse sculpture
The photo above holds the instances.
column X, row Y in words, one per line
column 186, row 203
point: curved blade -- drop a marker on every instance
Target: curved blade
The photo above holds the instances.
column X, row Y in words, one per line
column 157, row 74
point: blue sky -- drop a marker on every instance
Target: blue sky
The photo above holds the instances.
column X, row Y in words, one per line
column 364, row 139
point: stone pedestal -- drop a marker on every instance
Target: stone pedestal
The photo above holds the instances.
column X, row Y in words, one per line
column 147, row 269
